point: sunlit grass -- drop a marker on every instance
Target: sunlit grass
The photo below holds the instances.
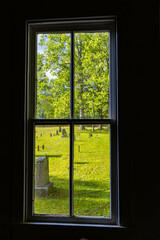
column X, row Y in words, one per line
column 91, row 171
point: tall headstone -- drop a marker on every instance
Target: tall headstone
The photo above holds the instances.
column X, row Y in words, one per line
column 43, row 186
column 64, row 133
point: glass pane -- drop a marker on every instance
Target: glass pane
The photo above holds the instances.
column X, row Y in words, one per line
column 92, row 170
column 53, row 76
column 51, row 188
column 91, row 75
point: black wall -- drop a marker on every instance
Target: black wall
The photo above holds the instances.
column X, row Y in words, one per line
column 138, row 117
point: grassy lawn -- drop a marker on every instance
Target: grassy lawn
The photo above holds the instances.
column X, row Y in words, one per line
column 91, row 171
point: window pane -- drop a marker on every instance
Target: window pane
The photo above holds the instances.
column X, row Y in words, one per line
column 53, row 76
column 51, row 170
column 92, row 170
column 91, row 75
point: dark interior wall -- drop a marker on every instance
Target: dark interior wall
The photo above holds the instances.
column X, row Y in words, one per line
column 138, row 113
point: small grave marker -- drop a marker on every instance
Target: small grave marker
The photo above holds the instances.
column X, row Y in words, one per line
column 64, row 133
column 90, row 134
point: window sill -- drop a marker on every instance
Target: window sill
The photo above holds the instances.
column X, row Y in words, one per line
column 72, row 225
column 44, row 230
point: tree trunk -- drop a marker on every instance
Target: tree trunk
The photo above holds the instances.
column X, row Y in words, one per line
column 81, row 110
column 81, row 127
column 100, row 116
column 100, row 127
column 93, row 118
column 80, row 82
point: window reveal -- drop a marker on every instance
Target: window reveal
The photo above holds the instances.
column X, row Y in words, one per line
column 72, row 125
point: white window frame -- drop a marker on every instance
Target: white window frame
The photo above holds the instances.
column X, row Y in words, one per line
column 71, row 25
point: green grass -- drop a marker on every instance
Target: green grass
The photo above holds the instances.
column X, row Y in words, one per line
column 91, row 172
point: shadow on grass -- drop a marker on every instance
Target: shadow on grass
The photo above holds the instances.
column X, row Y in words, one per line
column 82, row 188
column 91, row 198
column 81, row 162
column 48, row 155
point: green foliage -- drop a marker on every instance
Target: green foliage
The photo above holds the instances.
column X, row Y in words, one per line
column 91, row 73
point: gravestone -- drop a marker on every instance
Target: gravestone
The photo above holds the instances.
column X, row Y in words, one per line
column 64, row 133
column 90, row 134
column 43, row 187
column 56, row 132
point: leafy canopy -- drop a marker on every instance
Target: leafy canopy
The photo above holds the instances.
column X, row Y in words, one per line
column 91, row 75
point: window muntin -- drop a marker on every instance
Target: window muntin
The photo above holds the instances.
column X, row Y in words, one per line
column 106, row 27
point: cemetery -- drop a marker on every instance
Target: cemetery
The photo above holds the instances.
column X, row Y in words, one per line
column 91, row 171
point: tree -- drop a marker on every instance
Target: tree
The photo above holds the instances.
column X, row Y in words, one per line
column 56, row 61
column 44, row 88
column 91, row 64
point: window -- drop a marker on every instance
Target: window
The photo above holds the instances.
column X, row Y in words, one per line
column 71, row 153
